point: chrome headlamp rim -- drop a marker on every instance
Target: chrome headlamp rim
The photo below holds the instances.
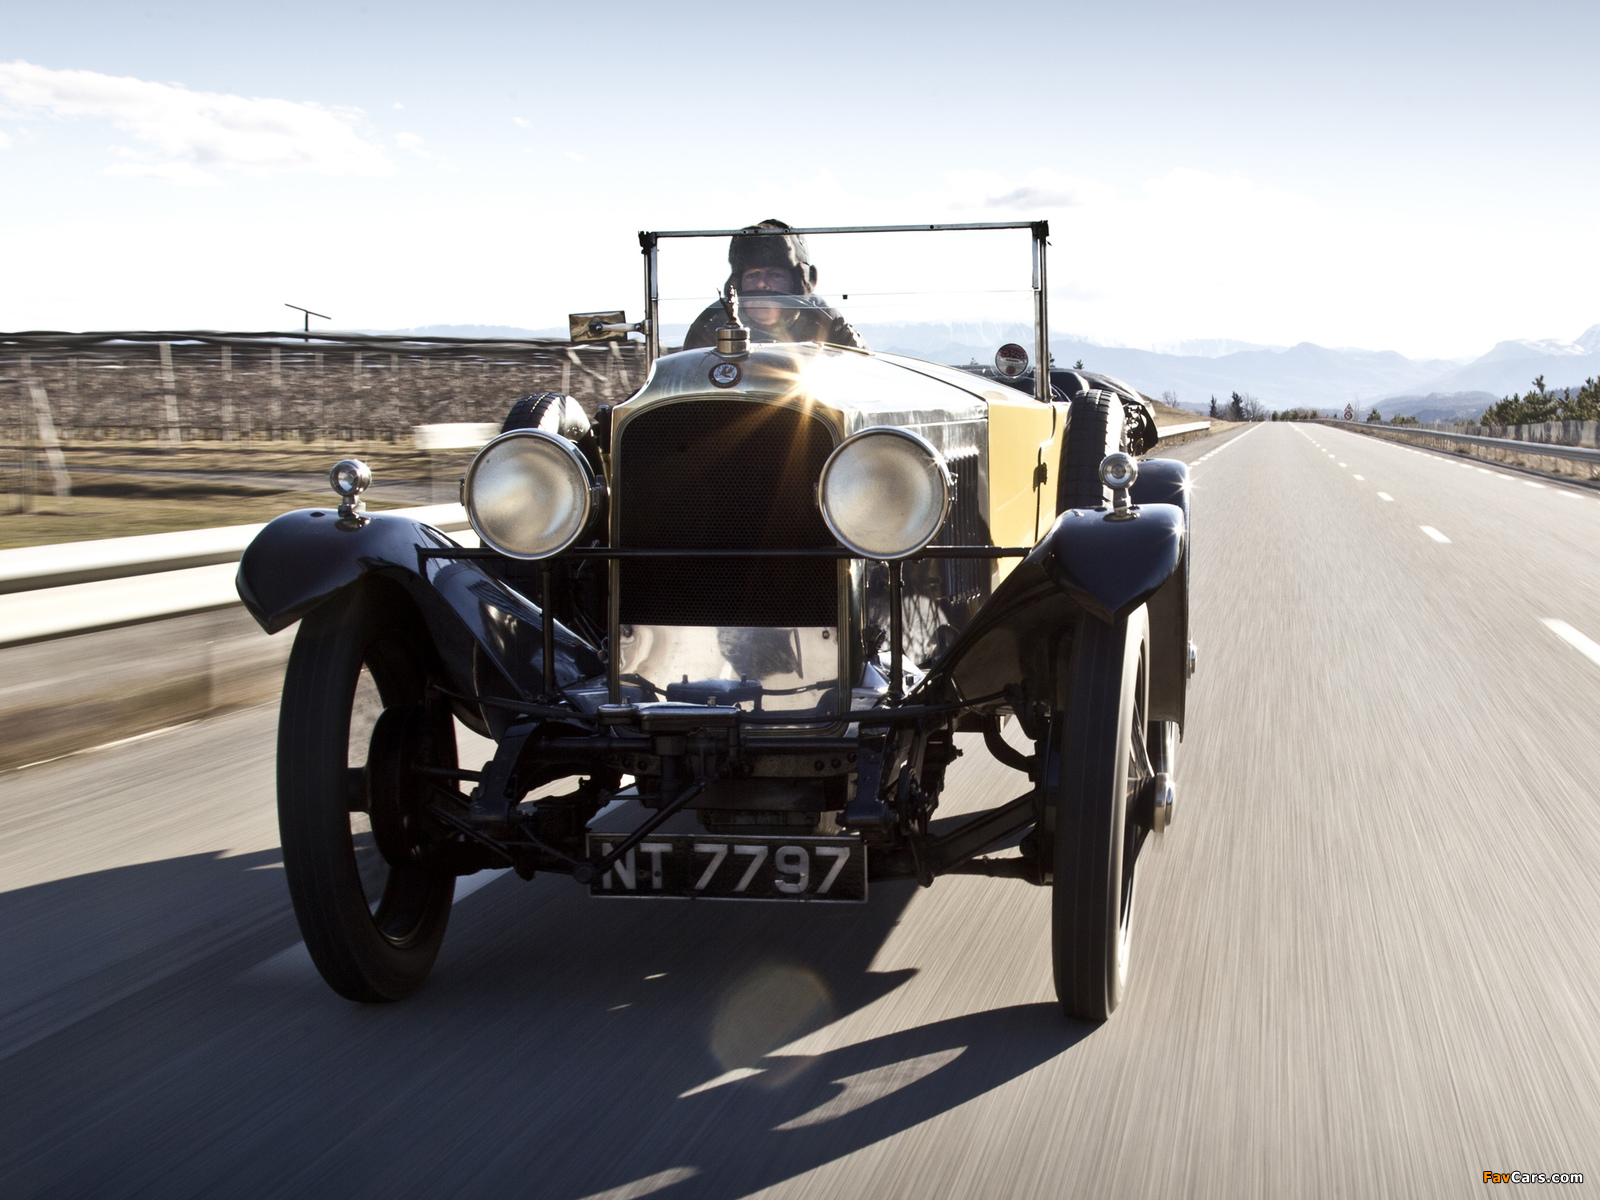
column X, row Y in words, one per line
column 946, row 487
column 585, row 474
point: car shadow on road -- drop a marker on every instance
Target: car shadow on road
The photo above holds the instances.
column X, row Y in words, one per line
column 70, row 945
column 564, row 1047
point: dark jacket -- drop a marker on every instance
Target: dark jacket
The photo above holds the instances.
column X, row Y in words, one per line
column 810, row 321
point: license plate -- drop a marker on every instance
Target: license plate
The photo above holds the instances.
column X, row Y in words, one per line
column 735, row 868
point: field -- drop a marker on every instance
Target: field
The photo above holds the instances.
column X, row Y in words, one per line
column 135, row 487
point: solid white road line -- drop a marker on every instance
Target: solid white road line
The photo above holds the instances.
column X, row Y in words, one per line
column 1385, row 496
column 1569, row 635
column 1434, row 534
column 1363, row 478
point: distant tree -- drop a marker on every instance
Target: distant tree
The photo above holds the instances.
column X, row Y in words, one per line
column 1170, row 399
column 1214, row 412
column 1235, row 410
column 1397, row 419
column 1078, row 366
column 1374, row 417
column 1540, row 404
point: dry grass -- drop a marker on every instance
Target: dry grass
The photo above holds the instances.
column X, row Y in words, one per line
column 388, row 460
column 1166, row 414
column 110, row 500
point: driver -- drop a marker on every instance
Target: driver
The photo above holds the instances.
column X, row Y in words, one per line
column 775, row 279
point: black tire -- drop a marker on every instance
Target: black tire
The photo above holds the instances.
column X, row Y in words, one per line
column 1095, row 428
column 1102, row 765
column 373, row 929
column 555, row 412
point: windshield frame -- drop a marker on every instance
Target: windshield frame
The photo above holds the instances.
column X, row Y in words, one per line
column 648, row 240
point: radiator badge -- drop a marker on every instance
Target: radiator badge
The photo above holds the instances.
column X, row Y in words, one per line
column 725, row 374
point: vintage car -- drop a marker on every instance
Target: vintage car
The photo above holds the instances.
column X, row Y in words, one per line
column 723, row 637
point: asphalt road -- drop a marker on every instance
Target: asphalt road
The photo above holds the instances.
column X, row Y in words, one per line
column 1365, row 959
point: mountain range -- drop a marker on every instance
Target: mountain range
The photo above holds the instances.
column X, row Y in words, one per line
column 1280, row 377
column 1305, row 375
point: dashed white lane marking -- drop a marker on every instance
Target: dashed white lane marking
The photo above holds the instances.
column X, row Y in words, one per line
column 1497, row 475
column 1341, row 464
column 1570, row 495
column 1434, row 534
column 1385, row 496
column 1531, row 483
column 1569, row 635
column 1363, row 478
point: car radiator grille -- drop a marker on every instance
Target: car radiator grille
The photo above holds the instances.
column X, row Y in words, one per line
column 724, row 474
column 964, row 578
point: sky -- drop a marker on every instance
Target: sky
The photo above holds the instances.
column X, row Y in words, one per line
column 1421, row 177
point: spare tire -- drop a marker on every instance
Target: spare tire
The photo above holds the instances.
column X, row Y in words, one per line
column 555, row 412
column 1095, row 428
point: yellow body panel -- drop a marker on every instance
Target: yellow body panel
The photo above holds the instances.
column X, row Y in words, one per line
column 1022, row 434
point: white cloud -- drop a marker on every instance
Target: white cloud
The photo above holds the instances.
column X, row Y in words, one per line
column 5, row 142
column 182, row 135
column 523, row 122
column 411, row 142
column 575, row 156
column 1040, row 190
column 398, row 105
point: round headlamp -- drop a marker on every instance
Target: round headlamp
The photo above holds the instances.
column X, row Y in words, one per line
column 884, row 492
column 350, row 477
column 529, row 493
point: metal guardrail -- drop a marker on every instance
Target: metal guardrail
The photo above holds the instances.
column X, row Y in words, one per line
column 1166, row 431
column 79, row 587
column 33, row 567
column 1543, row 449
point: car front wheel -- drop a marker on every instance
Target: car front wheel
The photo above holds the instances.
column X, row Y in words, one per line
column 1102, row 765
column 373, row 915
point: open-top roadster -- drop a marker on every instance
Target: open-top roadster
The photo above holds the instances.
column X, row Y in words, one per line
column 723, row 637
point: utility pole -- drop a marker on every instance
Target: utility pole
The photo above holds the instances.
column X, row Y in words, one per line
column 309, row 314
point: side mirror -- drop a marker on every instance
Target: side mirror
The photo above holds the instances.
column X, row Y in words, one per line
column 1011, row 360
column 601, row 326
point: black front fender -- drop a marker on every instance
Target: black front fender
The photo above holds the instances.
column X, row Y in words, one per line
column 1090, row 565
column 303, row 558
column 1108, row 566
